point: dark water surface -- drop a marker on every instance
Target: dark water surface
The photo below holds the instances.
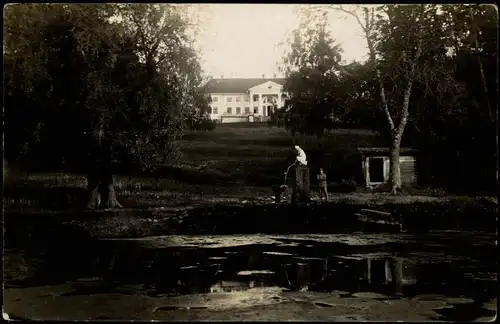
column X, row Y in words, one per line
column 387, row 266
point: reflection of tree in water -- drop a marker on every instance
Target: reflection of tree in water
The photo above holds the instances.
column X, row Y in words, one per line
column 352, row 273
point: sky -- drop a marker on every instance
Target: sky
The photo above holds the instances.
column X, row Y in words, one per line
column 242, row 40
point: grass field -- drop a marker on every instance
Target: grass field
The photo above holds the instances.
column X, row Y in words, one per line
column 254, row 154
column 235, row 162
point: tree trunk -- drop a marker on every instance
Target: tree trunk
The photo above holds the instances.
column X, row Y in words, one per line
column 396, row 136
column 395, row 169
column 109, row 196
column 100, row 183
column 481, row 69
column 101, row 190
column 396, row 267
column 93, row 190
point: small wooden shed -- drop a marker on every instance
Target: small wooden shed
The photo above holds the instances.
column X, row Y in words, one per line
column 375, row 165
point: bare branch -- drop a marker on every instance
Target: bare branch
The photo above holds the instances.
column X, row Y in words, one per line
column 411, row 77
column 353, row 14
column 367, row 29
column 372, row 19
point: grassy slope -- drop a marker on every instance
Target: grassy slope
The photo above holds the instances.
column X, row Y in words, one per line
column 258, row 155
column 234, row 162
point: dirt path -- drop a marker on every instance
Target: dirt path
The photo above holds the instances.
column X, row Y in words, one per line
column 259, row 304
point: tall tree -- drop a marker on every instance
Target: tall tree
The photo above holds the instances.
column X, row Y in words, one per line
column 474, row 36
column 433, row 67
column 312, row 67
column 101, row 69
column 407, row 45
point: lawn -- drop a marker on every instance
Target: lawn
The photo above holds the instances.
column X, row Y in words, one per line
column 233, row 163
column 255, row 154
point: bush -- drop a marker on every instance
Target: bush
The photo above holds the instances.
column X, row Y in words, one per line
column 345, row 186
column 204, row 125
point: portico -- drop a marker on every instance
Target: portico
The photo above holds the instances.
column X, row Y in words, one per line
column 267, row 97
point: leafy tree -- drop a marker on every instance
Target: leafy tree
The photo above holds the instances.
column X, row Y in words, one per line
column 431, row 67
column 461, row 141
column 474, row 36
column 108, row 80
column 407, row 46
column 312, row 68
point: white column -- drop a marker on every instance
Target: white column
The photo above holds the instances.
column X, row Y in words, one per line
column 260, row 105
column 251, row 102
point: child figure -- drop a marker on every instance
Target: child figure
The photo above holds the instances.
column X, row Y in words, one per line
column 323, row 191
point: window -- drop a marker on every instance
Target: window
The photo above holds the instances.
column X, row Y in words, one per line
column 255, row 97
column 247, row 110
column 229, row 99
column 238, row 99
column 255, row 110
column 229, row 110
column 215, row 110
column 246, row 99
column 238, row 110
column 215, row 99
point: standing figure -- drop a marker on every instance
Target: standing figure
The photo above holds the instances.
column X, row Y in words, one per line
column 323, row 191
column 302, row 182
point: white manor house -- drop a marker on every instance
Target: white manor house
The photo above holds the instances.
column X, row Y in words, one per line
column 236, row 100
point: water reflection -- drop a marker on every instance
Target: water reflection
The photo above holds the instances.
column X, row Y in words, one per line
column 196, row 271
column 314, row 266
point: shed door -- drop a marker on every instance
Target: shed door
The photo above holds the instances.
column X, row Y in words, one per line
column 376, row 169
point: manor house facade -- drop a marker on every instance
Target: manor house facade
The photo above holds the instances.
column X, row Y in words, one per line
column 237, row 100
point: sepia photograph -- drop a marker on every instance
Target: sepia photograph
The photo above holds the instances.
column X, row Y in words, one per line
column 250, row 162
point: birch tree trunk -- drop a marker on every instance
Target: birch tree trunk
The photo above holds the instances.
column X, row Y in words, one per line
column 396, row 137
column 395, row 167
column 396, row 129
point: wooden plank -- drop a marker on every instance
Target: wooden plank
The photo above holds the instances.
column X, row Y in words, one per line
column 385, row 223
column 375, row 212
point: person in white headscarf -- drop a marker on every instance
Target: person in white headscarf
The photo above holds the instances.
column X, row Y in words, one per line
column 301, row 156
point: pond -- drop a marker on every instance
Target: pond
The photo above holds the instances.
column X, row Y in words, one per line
column 455, row 265
column 220, row 262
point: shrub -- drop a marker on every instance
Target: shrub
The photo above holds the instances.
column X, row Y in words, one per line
column 204, row 125
column 344, row 186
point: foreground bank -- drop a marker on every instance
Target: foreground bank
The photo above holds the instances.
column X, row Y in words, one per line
column 239, row 216
column 257, row 305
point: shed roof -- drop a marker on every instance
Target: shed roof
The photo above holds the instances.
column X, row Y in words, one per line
column 237, row 85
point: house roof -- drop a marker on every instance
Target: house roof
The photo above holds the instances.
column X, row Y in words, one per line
column 237, row 85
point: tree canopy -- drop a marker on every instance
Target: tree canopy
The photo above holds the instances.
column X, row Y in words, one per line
column 129, row 71
column 431, row 67
column 312, row 66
